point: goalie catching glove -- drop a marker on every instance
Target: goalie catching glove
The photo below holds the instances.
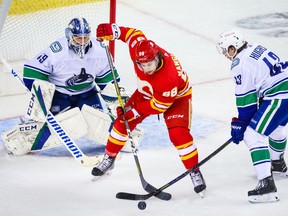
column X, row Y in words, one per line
column 108, row 31
column 111, row 99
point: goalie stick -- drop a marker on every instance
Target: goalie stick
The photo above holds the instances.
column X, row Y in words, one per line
column 131, row 196
column 146, row 186
column 57, row 128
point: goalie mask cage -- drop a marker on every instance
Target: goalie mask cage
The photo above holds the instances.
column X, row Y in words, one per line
column 29, row 26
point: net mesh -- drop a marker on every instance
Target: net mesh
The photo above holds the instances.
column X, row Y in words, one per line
column 32, row 25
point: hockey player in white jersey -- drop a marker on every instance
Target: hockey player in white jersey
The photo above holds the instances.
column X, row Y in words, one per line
column 73, row 64
column 261, row 90
column 75, row 77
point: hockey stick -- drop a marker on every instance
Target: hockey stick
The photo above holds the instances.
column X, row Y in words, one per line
column 147, row 187
column 57, row 128
column 131, row 196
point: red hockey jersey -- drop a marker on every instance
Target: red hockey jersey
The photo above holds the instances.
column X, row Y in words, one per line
column 167, row 84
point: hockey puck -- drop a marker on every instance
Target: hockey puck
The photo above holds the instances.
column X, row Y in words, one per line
column 142, row 205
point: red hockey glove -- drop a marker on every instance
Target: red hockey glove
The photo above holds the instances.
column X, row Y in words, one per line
column 108, row 31
column 129, row 115
column 238, row 128
column 119, row 111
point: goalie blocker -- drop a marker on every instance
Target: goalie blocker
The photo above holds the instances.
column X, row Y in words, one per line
column 34, row 135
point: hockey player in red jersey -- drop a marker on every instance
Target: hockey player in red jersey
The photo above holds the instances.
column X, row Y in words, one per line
column 163, row 87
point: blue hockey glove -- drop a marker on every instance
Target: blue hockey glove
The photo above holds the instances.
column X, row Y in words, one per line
column 238, row 128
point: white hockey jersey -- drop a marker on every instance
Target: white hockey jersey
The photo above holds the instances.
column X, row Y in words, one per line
column 70, row 74
column 258, row 73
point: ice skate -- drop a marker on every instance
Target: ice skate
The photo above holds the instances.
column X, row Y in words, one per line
column 102, row 168
column 279, row 166
column 199, row 183
column 264, row 192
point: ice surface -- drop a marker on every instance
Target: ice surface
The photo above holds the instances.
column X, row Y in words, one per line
column 53, row 183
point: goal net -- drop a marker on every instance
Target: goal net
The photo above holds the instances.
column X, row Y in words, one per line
column 29, row 26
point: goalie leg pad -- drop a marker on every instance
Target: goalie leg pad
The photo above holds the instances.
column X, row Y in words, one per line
column 34, row 110
column 29, row 136
column 99, row 124
column 72, row 122
column 137, row 136
column 19, row 140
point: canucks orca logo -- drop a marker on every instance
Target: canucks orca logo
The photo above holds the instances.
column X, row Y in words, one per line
column 83, row 77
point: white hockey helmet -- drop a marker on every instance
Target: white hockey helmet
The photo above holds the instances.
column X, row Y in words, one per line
column 233, row 37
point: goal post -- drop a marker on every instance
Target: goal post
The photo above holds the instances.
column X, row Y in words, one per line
column 112, row 20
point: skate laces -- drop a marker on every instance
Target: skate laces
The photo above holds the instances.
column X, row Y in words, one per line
column 265, row 183
column 197, row 178
column 106, row 163
column 261, row 184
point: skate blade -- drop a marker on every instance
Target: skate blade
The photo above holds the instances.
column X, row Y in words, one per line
column 265, row 198
column 202, row 193
column 281, row 174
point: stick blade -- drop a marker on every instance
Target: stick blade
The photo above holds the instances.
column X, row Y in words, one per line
column 131, row 196
column 161, row 195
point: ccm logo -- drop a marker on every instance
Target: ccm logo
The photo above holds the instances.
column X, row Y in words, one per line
column 30, row 105
column 28, row 128
column 175, row 116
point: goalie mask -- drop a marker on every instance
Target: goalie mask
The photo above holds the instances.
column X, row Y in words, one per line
column 227, row 39
column 78, row 35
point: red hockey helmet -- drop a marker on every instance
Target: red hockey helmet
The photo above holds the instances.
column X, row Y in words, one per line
column 146, row 51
